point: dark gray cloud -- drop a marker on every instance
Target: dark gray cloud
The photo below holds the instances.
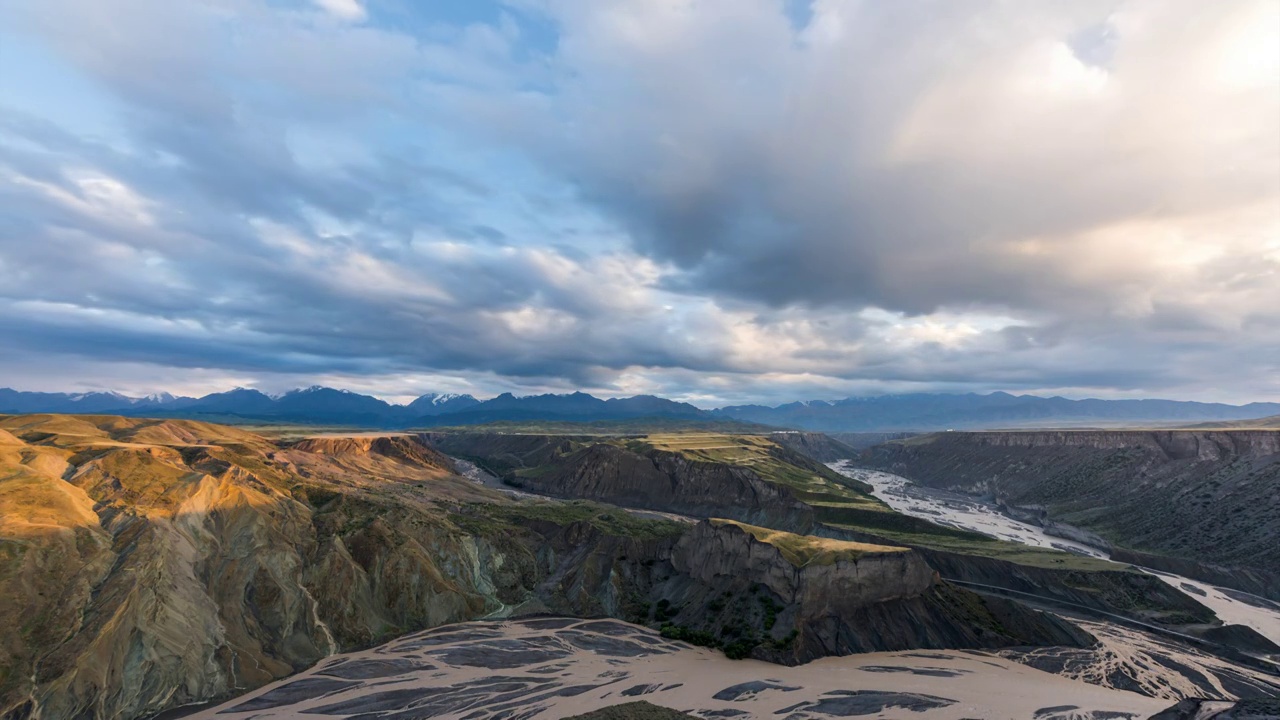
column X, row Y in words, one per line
column 902, row 154
column 720, row 201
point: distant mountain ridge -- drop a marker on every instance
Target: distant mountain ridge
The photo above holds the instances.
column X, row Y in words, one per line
column 887, row 413
column 928, row 412
column 328, row 406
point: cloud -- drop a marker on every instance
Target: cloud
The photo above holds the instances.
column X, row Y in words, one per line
column 722, row 201
column 904, row 156
column 344, row 9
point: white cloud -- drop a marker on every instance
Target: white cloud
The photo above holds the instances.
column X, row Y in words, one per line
column 695, row 199
column 350, row 10
column 95, row 196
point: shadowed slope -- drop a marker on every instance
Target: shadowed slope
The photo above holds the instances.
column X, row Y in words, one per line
column 1195, row 502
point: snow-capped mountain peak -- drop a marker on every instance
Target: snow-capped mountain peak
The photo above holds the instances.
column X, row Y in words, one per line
column 78, row 397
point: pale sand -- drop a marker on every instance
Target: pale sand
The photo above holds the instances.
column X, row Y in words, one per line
column 1152, row 665
column 1229, row 609
column 954, row 684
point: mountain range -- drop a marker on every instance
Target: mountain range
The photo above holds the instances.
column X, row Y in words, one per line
column 998, row 410
column 911, row 412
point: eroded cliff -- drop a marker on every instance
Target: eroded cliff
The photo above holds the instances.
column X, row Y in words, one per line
column 667, row 481
column 1203, row 502
column 791, row 598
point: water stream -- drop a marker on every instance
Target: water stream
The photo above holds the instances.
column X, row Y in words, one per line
column 331, row 645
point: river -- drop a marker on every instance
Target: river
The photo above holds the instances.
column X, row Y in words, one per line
column 970, row 513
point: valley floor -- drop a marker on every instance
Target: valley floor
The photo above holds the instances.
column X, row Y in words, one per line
column 556, row 667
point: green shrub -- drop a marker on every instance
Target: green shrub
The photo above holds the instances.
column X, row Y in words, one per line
column 741, row 648
column 689, row 635
column 771, row 609
column 664, row 611
column 785, row 642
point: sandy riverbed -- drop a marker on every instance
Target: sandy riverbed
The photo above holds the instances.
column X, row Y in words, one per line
column 554, row 667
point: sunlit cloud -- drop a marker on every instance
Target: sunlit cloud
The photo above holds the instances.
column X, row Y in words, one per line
column 717, row 201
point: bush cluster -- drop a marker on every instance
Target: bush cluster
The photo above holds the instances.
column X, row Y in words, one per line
column 664, row 611
column 689, row 635
column 737, row 639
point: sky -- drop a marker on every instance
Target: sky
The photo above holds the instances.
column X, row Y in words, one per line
column 719, row 201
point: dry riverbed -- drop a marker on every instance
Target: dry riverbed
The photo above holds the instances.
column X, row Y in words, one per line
column 556, row 667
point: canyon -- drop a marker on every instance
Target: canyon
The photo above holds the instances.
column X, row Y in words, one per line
column 1200, row 503
column 158, row 564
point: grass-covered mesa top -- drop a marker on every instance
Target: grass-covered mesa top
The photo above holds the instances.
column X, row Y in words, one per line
column 804, row 550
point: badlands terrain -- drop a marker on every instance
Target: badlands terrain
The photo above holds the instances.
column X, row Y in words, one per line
column 171, row 565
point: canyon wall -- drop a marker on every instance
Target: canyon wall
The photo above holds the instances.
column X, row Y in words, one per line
column 1193, row 497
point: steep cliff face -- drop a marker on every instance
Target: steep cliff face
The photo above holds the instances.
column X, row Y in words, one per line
column 754, row 478
column 1134, row 595
column 151, row 564
column 825, row 597
column 1204, row 496
column 669, row 482
column 823, row 576
column 817, row 446
column 1172, row 444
